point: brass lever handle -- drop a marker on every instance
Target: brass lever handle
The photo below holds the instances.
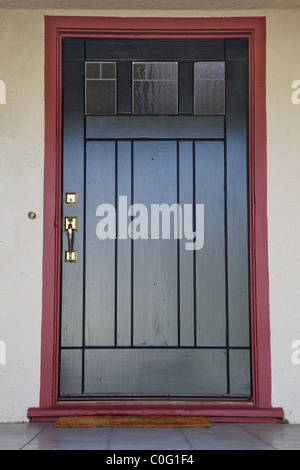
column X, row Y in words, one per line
column 70, row 238
column 70, row 225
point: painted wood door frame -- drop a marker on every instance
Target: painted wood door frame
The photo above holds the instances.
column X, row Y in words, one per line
column 252, row 28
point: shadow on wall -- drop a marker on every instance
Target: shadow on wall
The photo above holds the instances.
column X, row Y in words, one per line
column 2, row 92
column 2, row 353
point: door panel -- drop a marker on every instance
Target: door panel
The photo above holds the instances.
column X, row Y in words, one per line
column 155, row 260
column 153, row 50
column 157, row 127
column 141, row 372
column 100, row 254
column 148, row 310
column 237, row 205
column 186, row 266
column 124, row 248
column 210, row 260
column 72, row 171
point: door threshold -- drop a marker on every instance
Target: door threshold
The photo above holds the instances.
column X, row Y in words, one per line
column 213, row 411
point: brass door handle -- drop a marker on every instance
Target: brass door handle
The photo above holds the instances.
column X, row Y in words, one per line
column 70, row 238
column 70, row 225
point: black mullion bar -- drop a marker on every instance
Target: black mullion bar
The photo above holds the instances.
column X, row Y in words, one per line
column 194, row 251
column 116, row 242
column 106, row 397
column 132, row 253
column 178, row 248
column 226, row 233
column 163, row 139
column 248, row 218
column 237, row 348
column 84, row 233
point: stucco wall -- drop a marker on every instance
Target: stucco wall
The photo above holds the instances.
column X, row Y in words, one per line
column 21, row 191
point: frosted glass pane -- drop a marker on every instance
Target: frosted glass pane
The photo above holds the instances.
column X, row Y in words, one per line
column 100, row 88
column 209, row 88
column 155, row 88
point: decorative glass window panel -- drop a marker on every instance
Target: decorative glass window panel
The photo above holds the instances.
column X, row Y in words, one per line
column 100, row 88
column 209, row 88
column 154, row 88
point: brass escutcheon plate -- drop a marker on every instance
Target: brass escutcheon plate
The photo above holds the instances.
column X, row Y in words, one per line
column 71, row 199
column 70, row 220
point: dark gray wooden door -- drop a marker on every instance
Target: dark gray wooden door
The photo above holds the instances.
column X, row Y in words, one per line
column 156, row 301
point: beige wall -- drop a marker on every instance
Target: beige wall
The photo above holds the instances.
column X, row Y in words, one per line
column 21, row 191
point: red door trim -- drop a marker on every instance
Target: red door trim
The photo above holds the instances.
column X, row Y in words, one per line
column 253, row 28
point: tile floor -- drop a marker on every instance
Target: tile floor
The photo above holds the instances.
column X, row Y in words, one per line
column 221, row 436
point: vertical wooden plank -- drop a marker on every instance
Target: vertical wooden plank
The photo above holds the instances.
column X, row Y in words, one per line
column 186, row 269
column 73, row 170
column 155, row 260
column 124, row 246
column 237, row 201
column 210, row 260
column 100, row 253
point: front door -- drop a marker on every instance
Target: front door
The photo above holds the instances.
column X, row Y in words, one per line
column 155, row 269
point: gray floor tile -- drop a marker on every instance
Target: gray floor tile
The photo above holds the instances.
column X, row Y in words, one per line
column 70, row 439
column 148, row 439
column 281, row 437
column 235, row 436
column 14, row 436
column 224, row 436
